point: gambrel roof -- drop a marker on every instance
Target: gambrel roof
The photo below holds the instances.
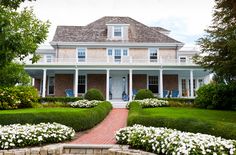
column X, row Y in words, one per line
column 97, row 32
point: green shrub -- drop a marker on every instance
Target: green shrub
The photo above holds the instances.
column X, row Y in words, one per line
column 219, row 128
column 94, row 94
column 17, row 97
column 179, row 100
column 78, row 118
column 59, row 99
column 216, row 96
column 143, row 94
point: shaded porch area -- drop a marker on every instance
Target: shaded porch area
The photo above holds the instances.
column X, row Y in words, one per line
column 117, row 83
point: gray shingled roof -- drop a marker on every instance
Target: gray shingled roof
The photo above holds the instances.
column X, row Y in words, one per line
column 97, row 32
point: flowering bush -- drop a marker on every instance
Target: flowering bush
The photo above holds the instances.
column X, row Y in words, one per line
column 17, row 97
column 16, row 135
column 151, row 102
column 169, row 141
column 84, row 103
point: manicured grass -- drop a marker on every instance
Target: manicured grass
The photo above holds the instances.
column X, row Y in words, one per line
column 194, row 113
column 77, row 118
column 213, row 122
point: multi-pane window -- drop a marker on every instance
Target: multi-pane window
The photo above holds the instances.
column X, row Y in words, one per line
column 117, row 55
column 125, row 52
column 184, row 87
column 153, row 83
column 117, row 31
column 153, row 54
column 81, row 84
column 51, row 85
column 109, row 52
column 48, row 58
column 81, row 54
column 182, row 59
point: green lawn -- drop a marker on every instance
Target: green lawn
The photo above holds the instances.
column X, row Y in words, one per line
column 77, row 118
column 213, row 122
column 194, row 113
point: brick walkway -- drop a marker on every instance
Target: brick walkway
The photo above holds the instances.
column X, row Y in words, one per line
column 104, row 133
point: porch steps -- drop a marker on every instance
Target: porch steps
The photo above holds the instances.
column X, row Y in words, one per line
column 118, row 104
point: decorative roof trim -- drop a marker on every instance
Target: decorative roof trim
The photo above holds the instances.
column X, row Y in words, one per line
column 117, row 44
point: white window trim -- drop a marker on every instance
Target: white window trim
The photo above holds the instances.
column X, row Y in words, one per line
column 149, row 52
column 113, row 51
column 182, row 57
column 158, row 76
column 113, row 31
column 78, row 54
column 48, row 85
column 85, row 84
column 45, row 58
column 123, row 52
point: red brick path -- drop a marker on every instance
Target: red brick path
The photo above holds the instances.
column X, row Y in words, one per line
column 104, row 133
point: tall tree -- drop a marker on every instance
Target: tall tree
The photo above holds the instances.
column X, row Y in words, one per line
column 20, row 32
column 218, row 46
column 13, row 74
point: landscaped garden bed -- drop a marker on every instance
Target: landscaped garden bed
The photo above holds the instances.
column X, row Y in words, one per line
column 168, row 141
column 77, row 118
column 212, row 122
column 17, row 135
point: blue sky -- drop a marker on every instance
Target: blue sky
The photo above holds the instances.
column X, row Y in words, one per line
column 186, row 19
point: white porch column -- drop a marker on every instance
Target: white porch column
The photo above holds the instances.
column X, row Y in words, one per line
column 76, row 83
column 161, row 84
column 32, row 81
column 44, row 82
column 107, row 84
column 191, row 83
column 130, row 85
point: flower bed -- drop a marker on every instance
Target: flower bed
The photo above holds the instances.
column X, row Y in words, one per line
column 16, row 135
column 84, row 103
column 169, row 141
column 151, row 102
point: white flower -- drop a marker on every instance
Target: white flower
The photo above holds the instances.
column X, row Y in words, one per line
column 169, row 141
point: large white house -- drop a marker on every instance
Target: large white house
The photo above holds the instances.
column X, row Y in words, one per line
column 119, row 56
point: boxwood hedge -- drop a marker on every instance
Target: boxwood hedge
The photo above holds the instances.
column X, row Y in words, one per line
column 77, row 118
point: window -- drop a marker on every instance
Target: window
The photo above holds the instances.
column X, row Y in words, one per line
column 109, row 52
column 182, row 59
column 125, row 52
column 184, row 87
column 81, row 84
column 153, row 54
column 48, row 58
column 117, row 55
column 81, row 54
column 117, row 31
column 153, row 83
column 51, row 85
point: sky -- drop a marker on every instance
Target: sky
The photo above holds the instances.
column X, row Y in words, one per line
column 186, row 19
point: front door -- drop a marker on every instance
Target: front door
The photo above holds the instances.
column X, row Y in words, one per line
column 117, row 87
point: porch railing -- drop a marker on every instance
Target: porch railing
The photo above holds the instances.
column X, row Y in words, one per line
column 113, row 61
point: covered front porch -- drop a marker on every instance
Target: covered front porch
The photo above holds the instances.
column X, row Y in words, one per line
column 115, row 83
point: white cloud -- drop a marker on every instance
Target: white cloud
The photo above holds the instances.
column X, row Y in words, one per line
column 185, row 18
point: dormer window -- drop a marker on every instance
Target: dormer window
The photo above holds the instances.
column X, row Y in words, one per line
column 117, row 31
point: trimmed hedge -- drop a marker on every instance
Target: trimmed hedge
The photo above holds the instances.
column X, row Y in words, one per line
column 222, row 129
column 144, row 94
column 78, row 118
column 94, row 94
column 59, row 99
